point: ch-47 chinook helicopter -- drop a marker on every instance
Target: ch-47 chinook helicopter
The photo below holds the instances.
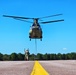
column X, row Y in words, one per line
column 35, row 30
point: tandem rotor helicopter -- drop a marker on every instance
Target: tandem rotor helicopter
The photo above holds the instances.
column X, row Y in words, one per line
column 35, row 30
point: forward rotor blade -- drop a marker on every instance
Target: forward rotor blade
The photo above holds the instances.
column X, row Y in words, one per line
column 17, row 17
column 23, row 20
column 51, row 16
column 52, row 21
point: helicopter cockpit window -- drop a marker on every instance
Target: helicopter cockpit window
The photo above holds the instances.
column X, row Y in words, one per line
column 33, row 24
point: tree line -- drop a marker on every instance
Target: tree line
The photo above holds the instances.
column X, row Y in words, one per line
column 39, row 56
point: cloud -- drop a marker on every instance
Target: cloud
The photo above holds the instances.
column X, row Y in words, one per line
column 64, row 48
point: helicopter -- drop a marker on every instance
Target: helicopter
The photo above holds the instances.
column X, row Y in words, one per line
column 35, row 30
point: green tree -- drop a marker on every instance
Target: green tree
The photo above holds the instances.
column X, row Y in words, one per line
column 59, row 56
column 69, row 56
column 39, row 56
column 14, row 56
column 63, row 56
column 31, row 56
column 20, row 56
column 1, row 56
column 46, row 56
column 73, row 55
column 6, row 57
column 53, row 57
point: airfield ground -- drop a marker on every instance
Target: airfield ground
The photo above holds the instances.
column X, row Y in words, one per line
column 59, row 67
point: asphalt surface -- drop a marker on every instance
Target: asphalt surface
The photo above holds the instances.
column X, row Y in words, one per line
column 62, row 67
column 59, row 67
column 16, row 67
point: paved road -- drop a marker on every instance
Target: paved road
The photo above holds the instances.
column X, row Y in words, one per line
column 62, row 67
column 16, row 67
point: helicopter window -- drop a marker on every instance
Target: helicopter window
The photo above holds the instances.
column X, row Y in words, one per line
column 33, row 24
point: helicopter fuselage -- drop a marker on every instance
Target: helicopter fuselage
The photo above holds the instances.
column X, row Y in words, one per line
column 35, row 31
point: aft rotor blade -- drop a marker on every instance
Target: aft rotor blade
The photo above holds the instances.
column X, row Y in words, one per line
column 17, row 17
column 51, row 16
column 52, row 21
